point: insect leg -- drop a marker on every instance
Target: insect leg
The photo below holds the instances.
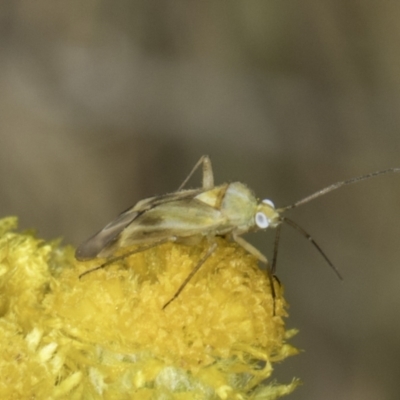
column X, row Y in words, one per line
column 276, row 244
column 251, row 249
column 127, row 254
column 208, row 176
column 210, row 250
column 256, row 253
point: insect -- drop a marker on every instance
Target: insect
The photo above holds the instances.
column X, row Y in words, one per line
column 189, row 215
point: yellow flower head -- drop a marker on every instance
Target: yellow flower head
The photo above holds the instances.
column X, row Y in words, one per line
column 107, row 336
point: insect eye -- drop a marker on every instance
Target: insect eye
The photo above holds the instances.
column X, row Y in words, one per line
column 269, row 202
column 261, row 220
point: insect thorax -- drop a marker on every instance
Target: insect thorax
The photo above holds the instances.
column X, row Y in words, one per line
column 239, row 205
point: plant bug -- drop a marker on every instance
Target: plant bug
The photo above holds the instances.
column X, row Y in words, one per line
column 189, row 215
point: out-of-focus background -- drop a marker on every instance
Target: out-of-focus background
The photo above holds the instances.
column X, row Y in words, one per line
column 105, row 102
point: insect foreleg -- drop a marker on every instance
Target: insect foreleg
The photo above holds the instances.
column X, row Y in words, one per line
column 276, row 244
column 210, row 250
column 256, row 253
column 127, row 254
column 208, row 176
column 251, row 249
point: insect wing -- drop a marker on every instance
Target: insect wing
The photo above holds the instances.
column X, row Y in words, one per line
column 151, row 202
column 104, row 242
column 180, row 219
column 92, row 247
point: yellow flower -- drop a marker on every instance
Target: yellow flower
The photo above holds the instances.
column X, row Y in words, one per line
column 107, row 336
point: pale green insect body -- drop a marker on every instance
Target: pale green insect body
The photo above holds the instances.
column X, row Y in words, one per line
column 187, row 216
column 238, row 209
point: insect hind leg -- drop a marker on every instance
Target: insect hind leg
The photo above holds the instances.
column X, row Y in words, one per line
column 127, row 254
column 208, row 175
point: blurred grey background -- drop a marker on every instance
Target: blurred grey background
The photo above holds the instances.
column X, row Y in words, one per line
column 105, row 102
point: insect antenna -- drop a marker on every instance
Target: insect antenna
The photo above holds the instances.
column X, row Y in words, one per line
column 335, row 186
column 308, row 236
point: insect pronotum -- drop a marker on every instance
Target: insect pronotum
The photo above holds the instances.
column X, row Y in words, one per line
column 189, row 215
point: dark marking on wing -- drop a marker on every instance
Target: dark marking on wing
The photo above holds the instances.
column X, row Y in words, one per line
column 93, row 246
